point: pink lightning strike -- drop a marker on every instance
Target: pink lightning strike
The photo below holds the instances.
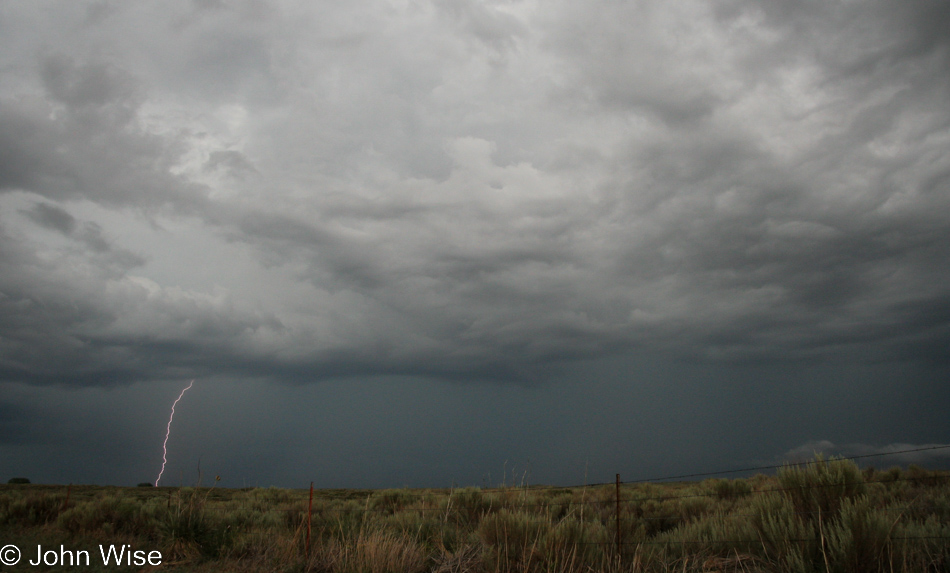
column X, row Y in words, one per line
column 168, row 431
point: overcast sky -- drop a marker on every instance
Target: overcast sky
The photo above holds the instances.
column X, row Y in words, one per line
column 431, row 242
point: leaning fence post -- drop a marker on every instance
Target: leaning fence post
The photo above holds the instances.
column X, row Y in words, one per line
column 619, row 552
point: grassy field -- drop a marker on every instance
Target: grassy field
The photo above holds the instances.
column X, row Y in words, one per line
column 828, row 516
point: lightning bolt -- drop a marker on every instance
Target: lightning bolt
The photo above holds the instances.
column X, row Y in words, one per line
column 168, row 431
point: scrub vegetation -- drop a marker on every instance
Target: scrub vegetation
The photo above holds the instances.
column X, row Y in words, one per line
column 826, row 516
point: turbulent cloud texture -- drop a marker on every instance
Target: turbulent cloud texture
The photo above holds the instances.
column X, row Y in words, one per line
column 688, row 218
column 469, row 189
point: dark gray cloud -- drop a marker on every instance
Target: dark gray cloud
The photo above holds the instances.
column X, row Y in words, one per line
column 98, row 87
column 79, row 144
column 12, row 426
column 474, row 191
column 729, row 237
column 52, row 217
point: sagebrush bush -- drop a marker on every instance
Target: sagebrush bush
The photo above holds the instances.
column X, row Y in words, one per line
column 787, row 540
column 468, row 506
column 820, row 487
column 392, row 500
column 512, row 538
column 188, row 524
column 859, row 539
column 731, row 488
column 31, row 509
column 112, row 514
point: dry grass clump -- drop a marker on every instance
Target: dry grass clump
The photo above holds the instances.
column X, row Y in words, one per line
column 377, row 551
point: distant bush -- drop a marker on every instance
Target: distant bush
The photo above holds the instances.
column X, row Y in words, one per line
column 189, row 524
column 30, row 509
column 817, row 489
column 145, row 484
column 731, row 488
column 111, row 514
column 469, row 505
column 392, row 500
column 19, row 480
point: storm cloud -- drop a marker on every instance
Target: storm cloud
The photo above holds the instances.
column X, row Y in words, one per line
column 475, row 192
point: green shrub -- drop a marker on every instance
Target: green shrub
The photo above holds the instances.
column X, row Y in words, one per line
column 560, row 505
column 786, row 539
column 111, row 515
column 859, row 540
column 919, row 477
column 468, row 506
column 512, row 539
column 392, row 500
column 891, row 474
column 30, row 510
column 726, row 489
column 570, row 543
column 187, row 524
column 818, row 488
column 922, row 545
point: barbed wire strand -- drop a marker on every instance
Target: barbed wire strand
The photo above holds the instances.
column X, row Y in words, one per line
column 392, row 508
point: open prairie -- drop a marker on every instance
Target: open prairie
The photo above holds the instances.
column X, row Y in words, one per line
column 825, row 516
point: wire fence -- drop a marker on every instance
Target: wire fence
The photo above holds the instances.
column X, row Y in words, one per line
column 623, row 506
column 678, row 478
column 675, row 517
